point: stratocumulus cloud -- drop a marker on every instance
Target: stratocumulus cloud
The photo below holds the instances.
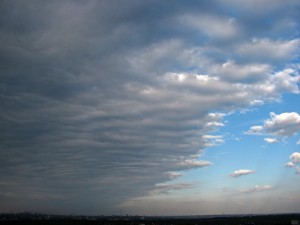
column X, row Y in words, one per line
column 107, row 101
column 166, row 188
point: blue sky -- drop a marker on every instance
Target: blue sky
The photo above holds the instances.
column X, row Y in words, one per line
column 150, row 107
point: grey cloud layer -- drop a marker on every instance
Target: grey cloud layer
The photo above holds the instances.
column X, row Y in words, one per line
column 102, row 100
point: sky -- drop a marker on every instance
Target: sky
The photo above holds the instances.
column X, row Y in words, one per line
column 149, row 107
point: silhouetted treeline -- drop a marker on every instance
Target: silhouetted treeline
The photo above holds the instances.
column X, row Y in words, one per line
column 43, row 219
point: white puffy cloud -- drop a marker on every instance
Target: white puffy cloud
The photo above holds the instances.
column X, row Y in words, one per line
column 271, row 140
column 239, row 173
column 295, row 160
column 281, row 125
column 295, row 157
column 284, row 124
column 255, row 130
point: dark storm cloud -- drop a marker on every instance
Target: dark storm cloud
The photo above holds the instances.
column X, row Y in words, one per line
column 91, row 113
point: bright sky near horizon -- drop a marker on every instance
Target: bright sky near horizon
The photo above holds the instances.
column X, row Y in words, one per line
column 150, row 107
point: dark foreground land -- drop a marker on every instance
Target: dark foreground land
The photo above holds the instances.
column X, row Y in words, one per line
column 38, row 219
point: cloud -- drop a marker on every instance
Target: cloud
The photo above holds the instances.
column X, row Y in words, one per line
column 189, row 164
column 239, row 173
column 265, row 50
column 256, row 102
column 242, row 73
column 298, row 142
column 284, row 124
column 212, row 140
column 215, row 120
column 166, row 188
column 255, row 130
column 290, row 164
column 258, row 188
column 255, row 5
column 97, row 94
column 286, row 80
column 212, row 137
column 270, row 140
column 213, row 26
column 174, row 175
column 295, row 157
column 295, row 160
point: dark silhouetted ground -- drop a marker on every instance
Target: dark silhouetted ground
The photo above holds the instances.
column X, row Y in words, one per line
column 39, row 219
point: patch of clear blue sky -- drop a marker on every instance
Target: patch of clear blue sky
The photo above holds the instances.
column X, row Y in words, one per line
column 241, row 151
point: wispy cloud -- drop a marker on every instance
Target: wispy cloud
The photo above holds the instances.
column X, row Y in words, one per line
column 174, row 175
column 297, row 170
column 258, row 188
column 221, row 28
column 166, row 188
